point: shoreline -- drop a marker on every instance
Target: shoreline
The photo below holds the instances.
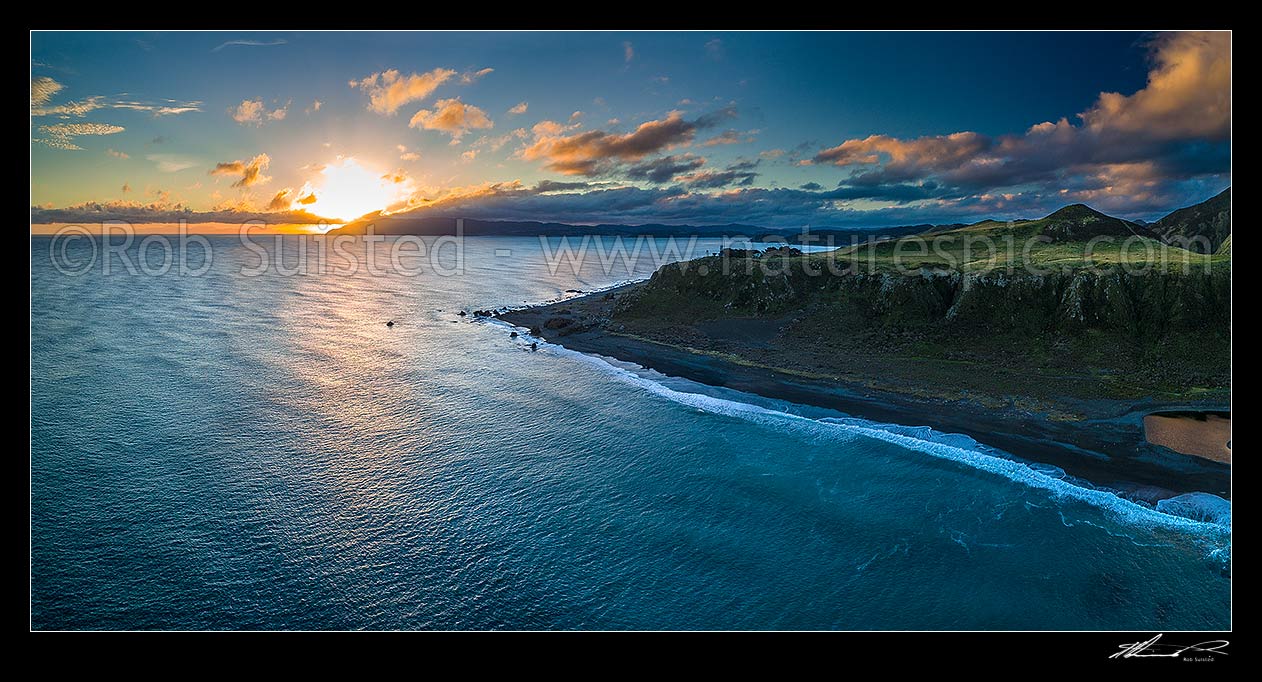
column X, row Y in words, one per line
column 1107, row 447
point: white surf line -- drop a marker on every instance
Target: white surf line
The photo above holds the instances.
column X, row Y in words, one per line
column 1012, row 470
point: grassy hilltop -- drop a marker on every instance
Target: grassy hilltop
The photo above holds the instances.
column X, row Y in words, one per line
column 1037, row 314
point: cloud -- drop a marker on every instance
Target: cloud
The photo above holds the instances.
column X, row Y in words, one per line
column 249, row 173
column 470, row 77
column 1130, row 154
column 168, row 107
column 451, row 116
column 282, row 200
column 117, row 154
column 935, row 152
column 406, row 155
column 731, row 137
column 596, row 152
column 249, row 43
column 740, row 173
column 628, row 51
column 811, row 187
column 254, row 112
column 469, row 155
column 496, row 143
column 664, row 169
column 162, row 210
column 69, row 109
column 518, row 109
column 1188, row 92
column 43, row 89
column 557, row 186
column 62, row 135
column 396, row 176
column 172, row 163
column 389, row 90
column 315, row 106
column 714, row 49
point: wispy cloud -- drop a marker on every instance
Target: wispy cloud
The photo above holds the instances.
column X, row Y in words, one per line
column 731, row 137
column 172, row 163
column 628, row 51
column 519, row 109
column 470, row 77
column 62, row 135
column 714, row 49
column 250, row 43
column 117, row 154
column 44, row 88
column 168, row 107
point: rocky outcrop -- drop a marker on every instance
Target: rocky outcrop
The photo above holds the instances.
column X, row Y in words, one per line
column 1144, row 305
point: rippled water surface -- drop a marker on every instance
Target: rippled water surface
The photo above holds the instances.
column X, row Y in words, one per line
column 232, row 451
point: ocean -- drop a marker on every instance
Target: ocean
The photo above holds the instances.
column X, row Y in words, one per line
column 237, row 449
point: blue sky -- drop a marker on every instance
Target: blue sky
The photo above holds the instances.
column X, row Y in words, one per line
column 773, row 129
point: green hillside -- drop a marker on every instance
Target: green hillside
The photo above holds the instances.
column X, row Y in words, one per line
column 1206, row 226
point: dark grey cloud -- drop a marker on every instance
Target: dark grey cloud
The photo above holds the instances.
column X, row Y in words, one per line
column 664, row 169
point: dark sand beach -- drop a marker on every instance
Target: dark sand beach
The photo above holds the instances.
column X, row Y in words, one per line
column 1105, row 444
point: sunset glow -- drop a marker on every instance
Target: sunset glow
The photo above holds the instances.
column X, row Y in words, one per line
column 347, row 190
column 670, row 128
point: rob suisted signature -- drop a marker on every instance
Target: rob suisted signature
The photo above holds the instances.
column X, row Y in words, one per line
column 1153, row 649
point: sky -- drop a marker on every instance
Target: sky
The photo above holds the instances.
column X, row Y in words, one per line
column 758, row 128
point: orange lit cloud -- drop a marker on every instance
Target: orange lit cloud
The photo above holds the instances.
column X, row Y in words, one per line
column 254, row 112
column 1188, row 91
column 389, row 90
column 593, row 152
column 451, row 116
column 248, row 173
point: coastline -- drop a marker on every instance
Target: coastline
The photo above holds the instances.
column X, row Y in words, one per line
column 1106, row 446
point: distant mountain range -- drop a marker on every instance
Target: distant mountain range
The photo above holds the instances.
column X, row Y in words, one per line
column 401, row 224
column 1210, row 219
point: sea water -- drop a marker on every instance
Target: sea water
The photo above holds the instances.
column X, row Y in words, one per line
column 240, row 449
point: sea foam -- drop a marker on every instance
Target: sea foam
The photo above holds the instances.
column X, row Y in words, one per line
column 1198, row 513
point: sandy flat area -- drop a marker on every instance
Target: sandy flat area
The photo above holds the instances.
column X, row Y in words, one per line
column 1203, row 435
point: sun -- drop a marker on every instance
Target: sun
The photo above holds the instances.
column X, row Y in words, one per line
column 347, row 190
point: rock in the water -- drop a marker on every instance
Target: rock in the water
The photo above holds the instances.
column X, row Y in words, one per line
column 461, row 313
column 512, row 335
column 534, row 346
column 390, row 323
